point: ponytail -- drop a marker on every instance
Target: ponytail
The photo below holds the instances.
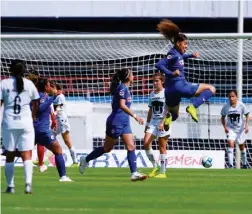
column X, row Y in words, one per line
column 114, row 83
column 17, row 70
column 120, row 76
column 171, row 31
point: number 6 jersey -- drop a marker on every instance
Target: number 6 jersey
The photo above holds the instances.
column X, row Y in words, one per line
column 235, row 114
column 17, row 111
column 157, row 103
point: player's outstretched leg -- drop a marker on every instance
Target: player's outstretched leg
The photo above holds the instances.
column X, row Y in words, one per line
column 93, row 155
column 203, row 93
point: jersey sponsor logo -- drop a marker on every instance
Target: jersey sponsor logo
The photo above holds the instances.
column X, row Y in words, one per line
column 181, row 62
column 169, row 56
column 129, row 99
column 52, row 137
column 42, row 100
column 112, row 131
column 121, row 93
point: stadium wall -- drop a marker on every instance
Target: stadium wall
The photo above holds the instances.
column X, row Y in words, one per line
column 88, row 121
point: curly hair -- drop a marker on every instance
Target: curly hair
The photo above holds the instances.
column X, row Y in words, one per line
column 171, row 31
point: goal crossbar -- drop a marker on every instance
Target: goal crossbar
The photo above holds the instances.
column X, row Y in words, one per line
column 116, row 36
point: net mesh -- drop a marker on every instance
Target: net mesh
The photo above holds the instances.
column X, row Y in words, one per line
column 84, row 69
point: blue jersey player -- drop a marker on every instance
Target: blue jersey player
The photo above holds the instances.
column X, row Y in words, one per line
column 118, row 124
column 43, row 134
column 176, row 86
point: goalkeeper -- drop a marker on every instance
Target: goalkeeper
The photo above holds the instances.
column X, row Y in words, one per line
column 176, row 86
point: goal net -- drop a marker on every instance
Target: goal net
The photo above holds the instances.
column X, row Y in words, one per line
column 84, row 68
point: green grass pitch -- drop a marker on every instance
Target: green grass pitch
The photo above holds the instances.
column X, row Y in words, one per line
column 109, row 190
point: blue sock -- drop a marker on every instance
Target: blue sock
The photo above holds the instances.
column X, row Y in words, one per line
column 95, row 154
column 132, row 161
column 60, row 164
column 174, row 116
column 204, row 96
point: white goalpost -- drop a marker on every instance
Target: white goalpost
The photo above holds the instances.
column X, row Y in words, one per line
column 84, row 63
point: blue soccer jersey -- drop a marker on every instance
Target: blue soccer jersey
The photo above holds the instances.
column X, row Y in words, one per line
column 176, row 87
column 42, row 121
column 173, row 61
column 118, row 116
column 118, row 122
column 43, row 134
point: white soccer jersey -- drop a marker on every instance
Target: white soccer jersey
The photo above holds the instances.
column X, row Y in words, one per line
column 235, row 119
column 17, row 111
column 157, row 103
column 61, row 101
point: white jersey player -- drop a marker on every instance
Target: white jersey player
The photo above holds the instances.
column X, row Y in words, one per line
column 155, row 127
column 236, row 126
column 17, row 124
column 63, row 127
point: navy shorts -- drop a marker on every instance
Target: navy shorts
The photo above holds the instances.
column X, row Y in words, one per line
column 115, row 131
column 179, row 90
column 45, row 138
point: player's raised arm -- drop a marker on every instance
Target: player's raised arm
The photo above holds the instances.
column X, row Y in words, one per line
column 162, row 65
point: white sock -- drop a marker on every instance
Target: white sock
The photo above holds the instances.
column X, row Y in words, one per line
column 73, row 155
column 151, row 157
column 230, row 156
column 9, row 174
column 244, row 156
column 163, row 158
column 28, row 171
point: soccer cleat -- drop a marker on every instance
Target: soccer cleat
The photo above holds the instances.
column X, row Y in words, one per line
column 74, row 165
column 35, row 162
column 83, row 164
column 167, row 122
column 65, row 179
column 43, row 168
column 10, row 190
column 28, row 189
column 153, row 172
column 161, row 175
column 230, row 166
column 193, row 112
column 138, row 176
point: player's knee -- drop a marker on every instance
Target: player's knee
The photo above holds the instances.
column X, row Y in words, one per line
column 131, row 147
column 212, row 89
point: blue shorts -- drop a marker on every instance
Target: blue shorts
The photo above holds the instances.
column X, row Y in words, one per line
column 180, row 89
column 45, row 138
column 115, row 131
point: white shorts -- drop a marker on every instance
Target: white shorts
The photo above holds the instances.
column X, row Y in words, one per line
column 153, row 129
column 20, row 139
column 238, row 136
column 63, row 125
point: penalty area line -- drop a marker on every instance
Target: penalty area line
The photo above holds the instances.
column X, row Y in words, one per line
column 63, row 209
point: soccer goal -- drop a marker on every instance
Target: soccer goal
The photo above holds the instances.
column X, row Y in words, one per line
column 84, row 64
